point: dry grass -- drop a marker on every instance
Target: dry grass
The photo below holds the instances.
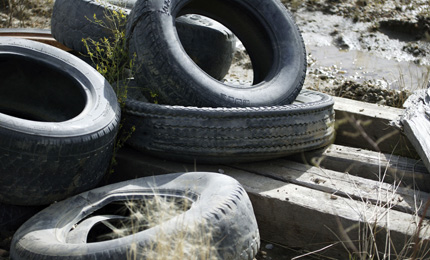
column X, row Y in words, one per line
column 25, row 13
column 187, row 241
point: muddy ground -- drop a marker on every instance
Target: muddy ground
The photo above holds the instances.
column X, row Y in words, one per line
column 376, row 51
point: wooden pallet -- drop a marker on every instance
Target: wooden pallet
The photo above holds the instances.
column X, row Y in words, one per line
column 328, row 200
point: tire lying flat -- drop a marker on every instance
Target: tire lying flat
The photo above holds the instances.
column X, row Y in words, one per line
column 218, row 203
column 223, row 135
column 210, row 46
column 266, row 29
column 58, row 122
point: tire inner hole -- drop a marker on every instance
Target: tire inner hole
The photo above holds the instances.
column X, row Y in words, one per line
column 33, row 89
column 139, row 215
column 229, row 48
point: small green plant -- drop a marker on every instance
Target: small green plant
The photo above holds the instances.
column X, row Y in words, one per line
column 112, row 60
column 110, row 55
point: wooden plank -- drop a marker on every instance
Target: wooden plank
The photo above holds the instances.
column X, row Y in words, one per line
column 295, row 215
column 416, row 123
column 341, row 184
column 417, row 128
column 368, row 126
column 372, row 165
column 39, row 35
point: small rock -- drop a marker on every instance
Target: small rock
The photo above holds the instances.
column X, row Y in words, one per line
column 269, row 246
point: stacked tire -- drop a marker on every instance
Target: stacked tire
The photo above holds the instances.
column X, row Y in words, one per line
column 201, row 119
column 210, row 45
column 58, row 122
column 63, row 131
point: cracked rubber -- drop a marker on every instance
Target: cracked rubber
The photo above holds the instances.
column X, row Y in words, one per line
column 224, row 135
column 210, row 46
column 219, row 204
column 58, row 121
column 266, row 29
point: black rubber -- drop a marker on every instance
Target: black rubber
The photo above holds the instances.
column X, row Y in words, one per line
column 224, row 135
column 58, row 121
column 210, row 46
column 12, row 216
column 219, row 204
column 266, row 29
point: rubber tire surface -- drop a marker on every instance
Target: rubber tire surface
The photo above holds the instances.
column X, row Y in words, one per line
column 224, row 135
column 266, row 29
column 12, row 216
column 209, row 45
column 218, row 200
column 58, row 122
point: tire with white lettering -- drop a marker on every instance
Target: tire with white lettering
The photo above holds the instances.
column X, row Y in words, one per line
column 266, row 29
column 58, row 122
column 209, row 45
column 226, row 135
column 195, row 213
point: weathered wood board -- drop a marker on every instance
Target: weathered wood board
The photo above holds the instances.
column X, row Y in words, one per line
column 388, row 168
column 416, row 123
column 39, row 35
column 307, row 207
column 368, row 126
column 329, row 200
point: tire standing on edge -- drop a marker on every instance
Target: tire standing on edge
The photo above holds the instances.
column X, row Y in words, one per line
column 225, row 135
column 218, row 204
column 210, row 45
column 58, row 122
column 266, row 29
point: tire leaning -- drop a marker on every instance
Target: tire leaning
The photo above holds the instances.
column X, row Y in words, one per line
column 266, row 29
column 225, row 135
column 219, row 204
column 210, row 46
column 58, row 122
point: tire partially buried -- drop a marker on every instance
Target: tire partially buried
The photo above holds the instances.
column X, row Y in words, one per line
column 209, row 45
column 266, row 29
column 214, row 218
column 224, row 135
column 58, row 121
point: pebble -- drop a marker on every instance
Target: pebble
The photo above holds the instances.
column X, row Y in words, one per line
column 269, row 246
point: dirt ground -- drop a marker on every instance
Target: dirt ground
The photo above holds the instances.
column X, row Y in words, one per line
column 371, row 50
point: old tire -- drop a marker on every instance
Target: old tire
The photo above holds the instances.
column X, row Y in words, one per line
column 218, row 204
column 266, row 29
column 224, row 135
column 209, row 45
column 58, row 121
column 12, row 216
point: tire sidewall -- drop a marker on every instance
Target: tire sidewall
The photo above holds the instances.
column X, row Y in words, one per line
column 45, row 233
column 280, row 86
column 101, row 106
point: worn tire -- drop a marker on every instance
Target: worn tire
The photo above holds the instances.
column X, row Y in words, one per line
column 219, row 204
column 58, row 121
column 12, row 216
column 266, row 29
column 210, row 46
column 223, row 135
